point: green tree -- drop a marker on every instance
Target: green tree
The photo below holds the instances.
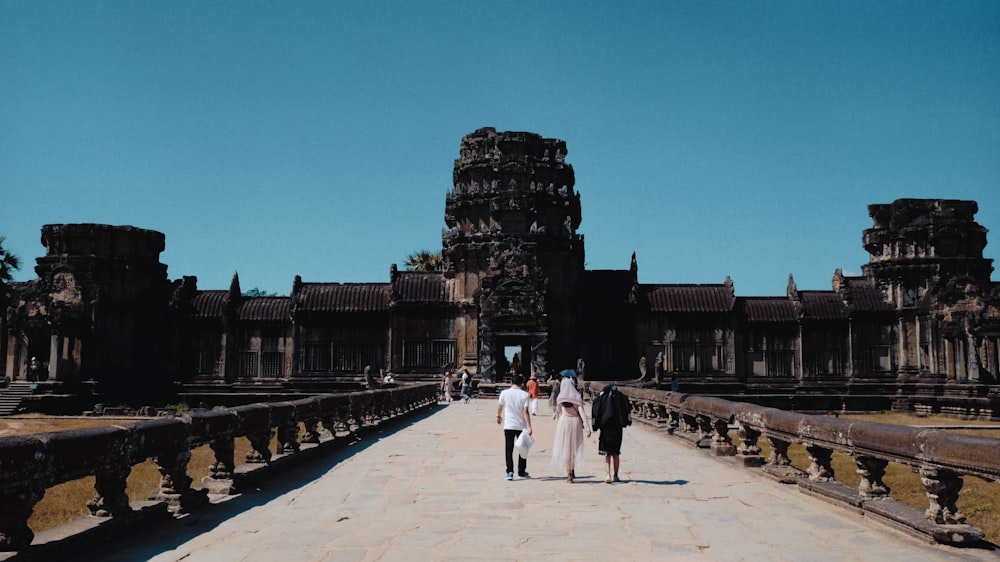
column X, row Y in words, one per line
column 255, row 292
column 424, row 260
column 9, row 263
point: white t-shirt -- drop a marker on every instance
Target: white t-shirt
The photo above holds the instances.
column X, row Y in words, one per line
column 514, row 402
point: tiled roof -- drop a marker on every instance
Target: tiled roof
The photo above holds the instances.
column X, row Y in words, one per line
column 208, row 304
column 421, row 287
column 688, row 298
column 822, row 305
column 769, row 309
column 266, row 308
column 350, row 297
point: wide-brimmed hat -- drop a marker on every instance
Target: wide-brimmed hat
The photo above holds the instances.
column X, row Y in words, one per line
column 534, row 377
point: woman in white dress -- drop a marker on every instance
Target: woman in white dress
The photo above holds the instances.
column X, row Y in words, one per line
column 567, row 447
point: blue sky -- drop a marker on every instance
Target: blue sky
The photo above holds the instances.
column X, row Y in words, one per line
column 277, row 139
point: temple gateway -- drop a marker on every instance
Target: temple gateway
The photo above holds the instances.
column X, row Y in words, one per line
column 103, row 316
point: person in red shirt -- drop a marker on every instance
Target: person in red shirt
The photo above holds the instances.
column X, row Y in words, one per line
column 533, row 394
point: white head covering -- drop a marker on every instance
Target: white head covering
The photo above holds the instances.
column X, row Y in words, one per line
column 569, row 393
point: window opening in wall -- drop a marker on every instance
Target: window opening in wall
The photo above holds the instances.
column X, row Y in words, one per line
column 248, row 364
column 271, row 364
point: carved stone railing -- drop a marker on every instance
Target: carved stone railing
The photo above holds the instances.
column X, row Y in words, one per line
column 32, row 463
column 941, row 458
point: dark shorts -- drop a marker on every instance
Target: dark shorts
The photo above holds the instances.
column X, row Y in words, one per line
column 610, row 441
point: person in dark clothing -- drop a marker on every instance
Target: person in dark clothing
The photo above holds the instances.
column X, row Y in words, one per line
column 610, row 413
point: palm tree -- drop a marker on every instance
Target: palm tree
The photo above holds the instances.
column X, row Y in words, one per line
column 9, row 263
column 424, row 260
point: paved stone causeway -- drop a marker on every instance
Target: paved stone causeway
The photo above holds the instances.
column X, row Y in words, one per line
column 435, row 490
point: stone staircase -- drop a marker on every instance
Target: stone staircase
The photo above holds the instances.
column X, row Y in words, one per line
column 11, row 396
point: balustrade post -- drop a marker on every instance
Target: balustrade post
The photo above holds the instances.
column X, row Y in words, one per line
column 779, row 452
column 329, row 424
column 871, row 470
column 311, row 431
column 110, row 499
column 704, row 428
column 260, row 443
column 722, row 443
column 220, row 479
column 820, row 469
column 942, row 487
column 175, row 484
column 288, row 435
column 662, row 417
column 748, row 451
column 15, row 534
column 778, row 464
column 675, row 421
column 688, row 423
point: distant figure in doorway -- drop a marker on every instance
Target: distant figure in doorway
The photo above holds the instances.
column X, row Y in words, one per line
column 34, row 370
column 611, row 413
column 567, row 447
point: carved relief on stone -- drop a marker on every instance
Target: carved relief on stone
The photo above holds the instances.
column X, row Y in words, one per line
column 65, row 289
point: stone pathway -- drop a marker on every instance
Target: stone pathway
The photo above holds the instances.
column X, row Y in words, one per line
column 435, row 490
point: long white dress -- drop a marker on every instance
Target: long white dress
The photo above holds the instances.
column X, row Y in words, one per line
column 567, row 447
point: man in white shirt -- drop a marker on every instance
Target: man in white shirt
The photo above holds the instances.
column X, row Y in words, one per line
column 513, row 414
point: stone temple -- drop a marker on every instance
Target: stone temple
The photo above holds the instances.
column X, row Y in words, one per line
column 103, row 320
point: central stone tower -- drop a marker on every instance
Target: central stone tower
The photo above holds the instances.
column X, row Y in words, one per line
column 511, row 244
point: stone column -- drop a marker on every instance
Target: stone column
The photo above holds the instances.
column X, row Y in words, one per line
column 13, row 369
column 55, row 353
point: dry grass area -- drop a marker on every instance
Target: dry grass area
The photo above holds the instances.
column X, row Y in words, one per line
column 979, row 499
column 68, row 501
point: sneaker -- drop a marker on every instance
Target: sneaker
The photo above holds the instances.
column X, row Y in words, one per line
column 616, row 478
column 607, row 480
column 524, row 475
column 510, row 476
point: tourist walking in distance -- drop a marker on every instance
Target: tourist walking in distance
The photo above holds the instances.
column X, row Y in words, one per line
column 466, row 385
column 611, row 413
column 512, row 412
column 446, row 387
column 532, row 388
column 567, row 446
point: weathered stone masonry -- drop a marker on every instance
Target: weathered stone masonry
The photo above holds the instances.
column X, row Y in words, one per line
column 924, row 311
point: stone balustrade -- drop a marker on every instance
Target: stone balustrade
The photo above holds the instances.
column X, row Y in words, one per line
column 941, row 458
column 30, row 464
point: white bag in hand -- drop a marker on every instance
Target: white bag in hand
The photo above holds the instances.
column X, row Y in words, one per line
column 523, row 443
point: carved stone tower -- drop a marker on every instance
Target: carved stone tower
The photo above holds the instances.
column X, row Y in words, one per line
column 511, row 243
column 919, row 247
column 96, row 311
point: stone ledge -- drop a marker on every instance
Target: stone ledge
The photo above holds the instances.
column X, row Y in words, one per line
column 912, row 520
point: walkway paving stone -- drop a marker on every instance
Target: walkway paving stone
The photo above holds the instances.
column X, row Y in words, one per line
column 435, row 490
